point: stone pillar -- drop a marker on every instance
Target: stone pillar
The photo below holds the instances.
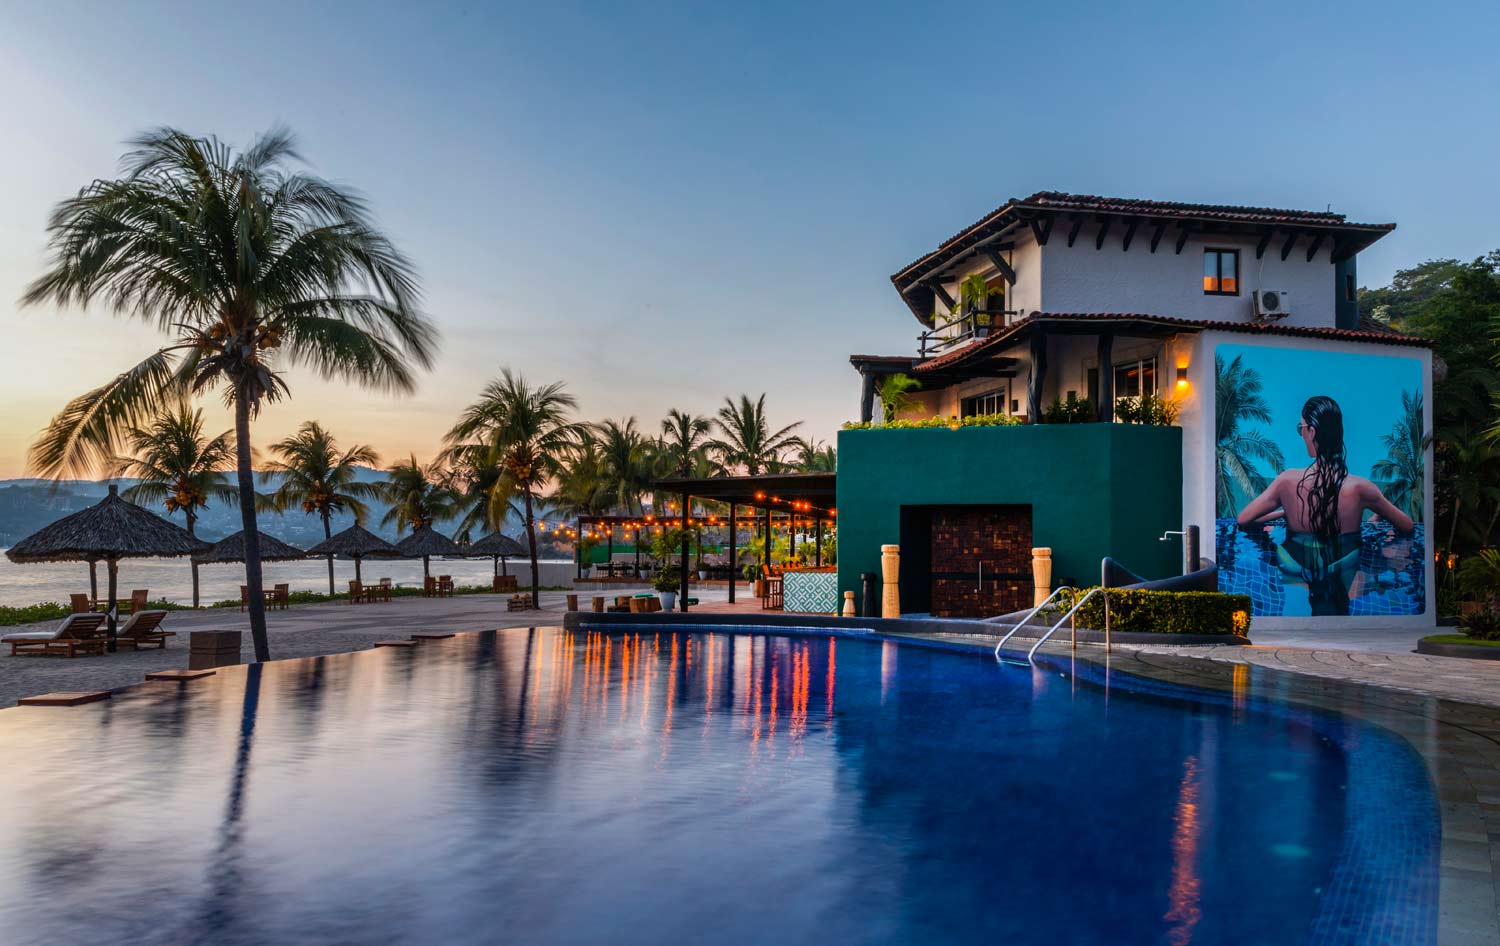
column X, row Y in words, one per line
column 1041, row 575
column 890, row 573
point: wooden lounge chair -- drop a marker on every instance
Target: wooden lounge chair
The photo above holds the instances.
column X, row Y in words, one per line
column 78, row 633
column 82, row 604
column 144, row 630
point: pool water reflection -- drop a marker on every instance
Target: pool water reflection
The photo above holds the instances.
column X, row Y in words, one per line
column 541, row 786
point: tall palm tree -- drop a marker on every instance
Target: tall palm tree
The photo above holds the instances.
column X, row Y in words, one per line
column 523, row 434
column 747, row 442
column 1471, row 469
column 179, row 466
column 1238, row 393
column 315, row 475
column 815, row 456
column 626, row 469
column 418, row 496
column 683, row 442
column 1402, row 475
column 252, row 268
column 582, row 482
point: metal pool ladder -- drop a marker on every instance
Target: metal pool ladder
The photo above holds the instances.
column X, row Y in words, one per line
column 1053, row 629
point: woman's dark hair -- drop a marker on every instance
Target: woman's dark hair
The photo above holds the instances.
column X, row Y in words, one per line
column 1325, row 477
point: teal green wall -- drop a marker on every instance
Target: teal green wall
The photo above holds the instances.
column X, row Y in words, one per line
column 1094, row 489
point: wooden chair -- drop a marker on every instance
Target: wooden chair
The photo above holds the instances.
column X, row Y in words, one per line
column 429, row 587
column 772, row 601
column 81, row 604
column 282, row 596
column 144, row 630
column 506, row 584
column 244, row 596
column 383, row 590
column 356, row 591
column 78, row 633
column 138, row 600
column 445, row 586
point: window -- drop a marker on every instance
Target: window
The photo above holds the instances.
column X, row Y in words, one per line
column 1349, row 287
column 1221, row 272
column 990, row 402
column 1135, row 378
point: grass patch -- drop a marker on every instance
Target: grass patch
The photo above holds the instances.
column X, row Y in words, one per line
column 1459, row 639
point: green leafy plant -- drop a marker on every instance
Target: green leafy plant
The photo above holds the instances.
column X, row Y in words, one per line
column 895, row 392
column 1479, row 575
column 665, row 581
column 1146, row 409
column 1075, row 410
column 1483, row 624
column 975, row 420
column 1168, row 612
column 975, row 293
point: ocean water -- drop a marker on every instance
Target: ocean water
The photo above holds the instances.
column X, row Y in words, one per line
column 171, row 578
column 539, row 786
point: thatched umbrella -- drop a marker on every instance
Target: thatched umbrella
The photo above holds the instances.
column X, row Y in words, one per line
column 232, row 549
column 499, row 547
column 107, row 531
column 356, row 543
column 425, row 543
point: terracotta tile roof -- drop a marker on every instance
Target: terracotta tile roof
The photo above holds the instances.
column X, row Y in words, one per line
column 1012, row 332
column 1047, row 202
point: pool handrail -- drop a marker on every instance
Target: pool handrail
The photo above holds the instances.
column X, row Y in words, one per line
column 1071, row 612
column 1029, row 615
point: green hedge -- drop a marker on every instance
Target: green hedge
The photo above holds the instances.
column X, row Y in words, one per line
column 973, row 420
column 1168, row 612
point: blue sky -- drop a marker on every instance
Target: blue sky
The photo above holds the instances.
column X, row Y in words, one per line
column 665, row 204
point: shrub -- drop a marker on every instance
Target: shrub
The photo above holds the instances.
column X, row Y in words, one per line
column 1168, row 612
column 976, row 420
column 1147, row 409
column 47, row 611
column 1074, row 410
column 1483, row 624
column 665, row 581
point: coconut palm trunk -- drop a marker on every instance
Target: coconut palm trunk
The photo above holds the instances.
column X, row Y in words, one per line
column 536, row 584
column 192, row 526
column 328, row 534
column 255, row 586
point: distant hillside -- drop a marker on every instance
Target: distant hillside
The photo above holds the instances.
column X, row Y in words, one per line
column 27, row 505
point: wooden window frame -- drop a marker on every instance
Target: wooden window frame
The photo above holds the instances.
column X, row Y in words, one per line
column 1219, row 253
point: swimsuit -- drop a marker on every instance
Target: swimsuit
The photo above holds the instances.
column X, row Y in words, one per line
column 1326, row 565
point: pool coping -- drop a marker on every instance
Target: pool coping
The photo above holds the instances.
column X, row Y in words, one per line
column 1459, row 743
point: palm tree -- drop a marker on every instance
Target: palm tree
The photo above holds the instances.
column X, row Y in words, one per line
column 1238, row 392
column 682, row 446
column 1469, row 462
column 524, row 435
column 317, row 477
column 626, row 469
column 815, row 456
column 418, row 496
column 895, row 392
column 748, row 442
column 178, row 466
column 1402, row 475
column 582, row 482
column 251, row 268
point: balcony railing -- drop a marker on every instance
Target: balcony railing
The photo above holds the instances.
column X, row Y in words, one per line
column 962, row 329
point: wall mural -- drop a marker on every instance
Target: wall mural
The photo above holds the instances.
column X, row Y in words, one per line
column 1321, row 481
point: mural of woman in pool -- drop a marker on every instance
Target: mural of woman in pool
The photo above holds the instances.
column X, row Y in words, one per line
column 1318, row 539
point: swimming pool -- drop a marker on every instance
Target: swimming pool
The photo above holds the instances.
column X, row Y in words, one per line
column 543, row 786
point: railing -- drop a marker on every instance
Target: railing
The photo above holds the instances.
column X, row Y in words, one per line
column 1071, row 615
column 962, row 329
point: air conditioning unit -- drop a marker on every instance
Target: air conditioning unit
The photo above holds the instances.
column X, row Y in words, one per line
column 1271, row 304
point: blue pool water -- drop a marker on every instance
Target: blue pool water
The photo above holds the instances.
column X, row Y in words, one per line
column 539, row 786
column 1391, row 577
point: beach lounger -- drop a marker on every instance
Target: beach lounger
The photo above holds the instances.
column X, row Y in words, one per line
column 78, row 633
column 144, row 630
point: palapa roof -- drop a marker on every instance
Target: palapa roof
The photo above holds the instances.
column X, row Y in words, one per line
column 496, row 543
column 427, row 541
column 356, row 542
column 232, row 549
column 111, row 528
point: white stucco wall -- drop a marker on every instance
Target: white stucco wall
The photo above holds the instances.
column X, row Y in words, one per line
column 1083, row 279
column 1199, row 457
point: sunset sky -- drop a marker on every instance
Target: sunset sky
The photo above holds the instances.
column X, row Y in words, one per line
column 663, row 205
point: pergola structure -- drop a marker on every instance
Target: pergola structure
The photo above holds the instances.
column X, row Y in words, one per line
column 797, row 495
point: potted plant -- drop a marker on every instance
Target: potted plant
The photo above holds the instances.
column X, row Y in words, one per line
column 665, row 584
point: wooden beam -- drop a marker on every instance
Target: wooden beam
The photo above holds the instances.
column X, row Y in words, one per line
column 1000, row 264
column 1104, row 411
column 1103, row 232
column 942, row 294
column 1265, row 241
column 1156, row 237
column 1041, row 230
column 1313, row 250
column 1286, row 248
column 1182, row 238
column 1129, row 234
column 1342, row 250
column 1073, row 230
